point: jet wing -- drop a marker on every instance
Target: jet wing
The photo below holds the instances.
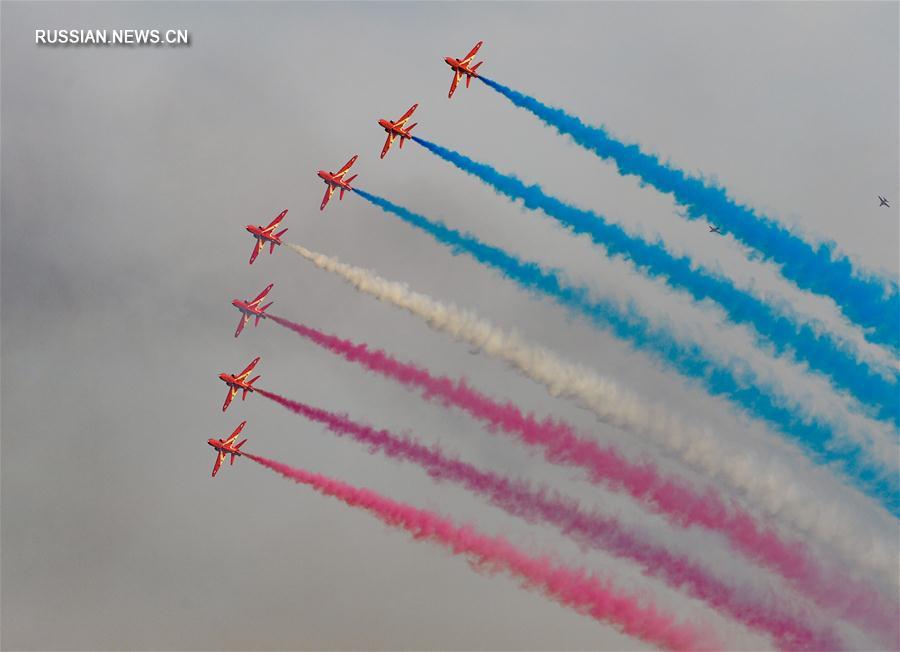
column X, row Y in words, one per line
column 237, row 431
column 246, row 372
column 329, row 191
column 471, row 54
column 387, row 144
column 219, row 459
column 256, row 250
column 261, row 295
column 456, row 77
column 276, row 221
column 244, row 319
column 232, row 392
column 405, row 116
column 346, row 167
column 235, row 434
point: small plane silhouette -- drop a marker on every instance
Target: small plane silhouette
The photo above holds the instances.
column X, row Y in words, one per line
column 462, row 67
column 714, row 229
column 884, row 202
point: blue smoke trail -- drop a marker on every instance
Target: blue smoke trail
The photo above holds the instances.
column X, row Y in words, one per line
column 867, row 300
column 739, row 386
column 820, row 351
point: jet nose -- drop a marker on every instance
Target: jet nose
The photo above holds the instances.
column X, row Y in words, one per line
column 448, row 61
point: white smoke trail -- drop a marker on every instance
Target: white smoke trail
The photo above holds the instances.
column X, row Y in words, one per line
column 764, row 483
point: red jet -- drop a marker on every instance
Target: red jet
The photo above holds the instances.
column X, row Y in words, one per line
column 266, row 234
column 395, row 129
column 237, row 383
column 226, row 447
column 335, row 180
column 461, row 67
column 252, row 309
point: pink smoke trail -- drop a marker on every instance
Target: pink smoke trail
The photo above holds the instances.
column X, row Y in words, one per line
column 588, row 529
column 572, row 587
column 677, row 500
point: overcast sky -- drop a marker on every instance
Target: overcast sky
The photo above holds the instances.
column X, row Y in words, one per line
column 128, row 175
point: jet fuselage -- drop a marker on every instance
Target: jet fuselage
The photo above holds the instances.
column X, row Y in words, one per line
column 232, row 381
column 391, row 128
column 456, row 64
column 246, row 309
column 331, row 180
column 259, row 233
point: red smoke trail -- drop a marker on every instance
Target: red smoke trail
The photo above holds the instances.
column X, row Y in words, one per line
column 572, row 587
column 677, row 500
column 519, row 499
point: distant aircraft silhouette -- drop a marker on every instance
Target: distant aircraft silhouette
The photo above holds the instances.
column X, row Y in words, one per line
column 714, row 229
column 884, row 202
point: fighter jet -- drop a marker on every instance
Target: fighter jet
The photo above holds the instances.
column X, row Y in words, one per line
column 225, row 447
column 395, row 129
column 239, row 382
column 461, row 67
column 252, row 309
column 714, row 229
column 335, row 180
column 884, row 202
column 266, row 234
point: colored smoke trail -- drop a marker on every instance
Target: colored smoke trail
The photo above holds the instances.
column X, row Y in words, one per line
column 733, row 381
column 562, row 445
column 865, row 299
column 587, row 529
column 762, row 481
column 571, row 587
column 817, row 349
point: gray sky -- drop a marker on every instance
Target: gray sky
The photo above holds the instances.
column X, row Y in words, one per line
column 128, row 177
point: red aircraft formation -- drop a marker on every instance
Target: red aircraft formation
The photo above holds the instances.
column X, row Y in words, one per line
column 266, row 235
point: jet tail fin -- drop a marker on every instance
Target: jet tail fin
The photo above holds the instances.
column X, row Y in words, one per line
column 410, row 127
column 348, row 184
column 237, row 447
column 261, row 311
column 249, row 388
column 475, row 67
column 241, row 324
column 281, row 233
